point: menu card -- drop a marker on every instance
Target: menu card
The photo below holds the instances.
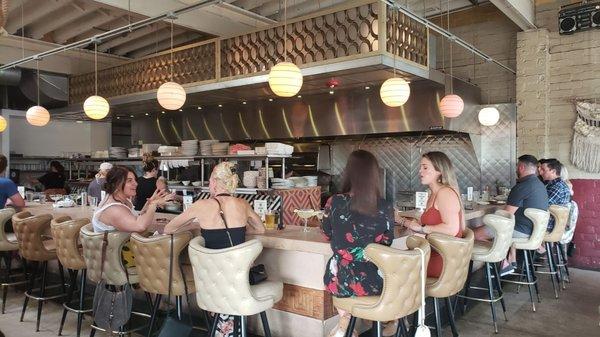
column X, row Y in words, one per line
column 421, row 200
column 260, row 207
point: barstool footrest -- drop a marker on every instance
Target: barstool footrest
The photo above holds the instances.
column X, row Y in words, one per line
column 127, row 332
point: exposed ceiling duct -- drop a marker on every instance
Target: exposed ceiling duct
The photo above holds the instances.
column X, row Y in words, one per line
column 54, row 88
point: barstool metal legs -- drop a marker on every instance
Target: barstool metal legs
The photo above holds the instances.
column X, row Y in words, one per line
column 450, row 312
column 156, row 305
column 488, row 276
column 350, row 328
column 243, row 326
column 29, row 289
column 73, row 278
column 377, row 329
column 499, row 288
column 42, row 294
column 438, row 319
column 81, row 300
column 265, row 323
column 553, row 272
column 528, row 272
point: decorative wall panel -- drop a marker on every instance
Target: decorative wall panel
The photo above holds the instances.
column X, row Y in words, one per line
column 344, row 33
column 195, row 64
column 408, row 40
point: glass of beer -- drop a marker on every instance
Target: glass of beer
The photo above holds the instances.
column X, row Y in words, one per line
column 270, row 220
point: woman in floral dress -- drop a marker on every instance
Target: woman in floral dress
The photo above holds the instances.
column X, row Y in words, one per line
column 354, row 219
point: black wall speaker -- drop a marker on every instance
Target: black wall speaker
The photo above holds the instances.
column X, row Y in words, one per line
column 578, row 17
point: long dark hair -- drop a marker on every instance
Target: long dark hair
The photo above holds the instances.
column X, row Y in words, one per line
column 116, row 178
column 150, row 163
column 57, row 166
column 361, row 180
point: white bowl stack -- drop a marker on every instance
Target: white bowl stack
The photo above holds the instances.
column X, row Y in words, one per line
column 279, row 184
column 149, row 148
column 133, row 152
column 220, row 149
column 118, row 152
column 311, row 181
column 250, row 179
column 299, row 181
column 206, row 146
column 167, row 150
column 189, row 147
column 278, row 149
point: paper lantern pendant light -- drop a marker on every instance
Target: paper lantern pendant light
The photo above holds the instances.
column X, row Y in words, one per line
column 451, row 106
column 171, row 95
column 394, row 92
column 285, row 79
column 3, row 124
column 488, row 116
column 96, row 107
column 37, row 116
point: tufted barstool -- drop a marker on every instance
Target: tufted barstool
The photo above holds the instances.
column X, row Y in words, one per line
column 456, row 255
column 401, row 294
column 527, row 245
column 33, row 247
column 65, row 232
column 503, row 224
column 221, row 278
column 8, row 245
column 113, row 272
column 551, row 242
column 152, row 264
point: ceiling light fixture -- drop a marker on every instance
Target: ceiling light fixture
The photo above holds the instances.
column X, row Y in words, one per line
column 244, row 102
column 146, row 114
column 331, row 92
column 37, row 115
column 3, row 123
column 199, row 108
column 171, row 95
column 285, row 78
column 395, row 91
column 452, row 105
column 96, row 107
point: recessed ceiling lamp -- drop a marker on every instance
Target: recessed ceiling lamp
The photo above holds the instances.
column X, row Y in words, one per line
column 37, row 115
column 285, row 78
column 96, row 107
column 395, row 91
column 452, row 105
column 171, row 95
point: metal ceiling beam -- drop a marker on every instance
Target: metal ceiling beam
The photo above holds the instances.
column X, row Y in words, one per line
column 95, row 30
column 138, row 34
column 453, row 38
column 32, row 12
column 58, row 18
column 95, row 18
column 112, row 33
column 250, row 4
column 151, row 40
column 165, row 44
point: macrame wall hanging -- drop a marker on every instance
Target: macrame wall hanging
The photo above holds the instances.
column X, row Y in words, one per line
column 585, row 151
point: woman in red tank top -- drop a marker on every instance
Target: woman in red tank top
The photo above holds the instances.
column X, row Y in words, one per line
column 444, row 209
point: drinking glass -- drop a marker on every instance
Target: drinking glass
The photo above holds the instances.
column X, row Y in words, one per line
column 29, row 196
column 93, row 202
column 42, row 197
column 270, row 222
column 56, row 197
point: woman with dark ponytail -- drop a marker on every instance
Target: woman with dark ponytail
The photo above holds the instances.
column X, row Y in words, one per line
column 146, row 183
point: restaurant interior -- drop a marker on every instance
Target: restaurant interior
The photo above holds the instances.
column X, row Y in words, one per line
column 97, row 96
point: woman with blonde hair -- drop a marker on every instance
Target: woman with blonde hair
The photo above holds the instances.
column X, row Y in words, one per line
column 444, row 212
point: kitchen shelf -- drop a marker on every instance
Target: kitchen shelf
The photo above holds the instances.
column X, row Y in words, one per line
column 241, row 190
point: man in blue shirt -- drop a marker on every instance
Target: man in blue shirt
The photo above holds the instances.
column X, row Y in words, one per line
column 528, row 192
column 8, row 190
column 559, row 192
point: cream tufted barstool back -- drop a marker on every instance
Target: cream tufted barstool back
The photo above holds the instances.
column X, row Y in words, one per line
column 221, row 278
column 152, row 263
column 29, row 230
column 456, row 255
column 65, row 232
column 540, row 223
column 561, row 216
column 8, row 242
column 114, row 271
column 401, row 293
column 495, row 251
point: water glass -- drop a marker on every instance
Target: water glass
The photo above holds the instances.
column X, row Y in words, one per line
column 93, row 202
column 270, row 220
column 29, row 196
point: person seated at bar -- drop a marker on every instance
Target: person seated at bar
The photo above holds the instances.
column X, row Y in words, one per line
column 352, row 220
column 9, row 195
column 146, row 184
column 240, row 216
column 55, row 177
column 558, row 191
column 529, row 192
column 94, row 189
column 444, row 212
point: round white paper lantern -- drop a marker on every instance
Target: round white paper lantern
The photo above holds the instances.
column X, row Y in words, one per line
column 96, row 107
column 285, row 79
column 171, row 95
column 488, row 116
column 37, row 116
column 394, row 92
column 451, row 106
column 3, row 124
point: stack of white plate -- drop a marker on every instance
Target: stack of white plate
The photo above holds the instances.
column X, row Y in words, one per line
column 167, row 150
column 311, row 180
column 250, row 179
column 220, row 149
column 133, row 152
column 118, row 152
column 278, row 149
column 149, row 148
column 279, row 184
column 189, row 147
column 206, row 146
column 299, row 181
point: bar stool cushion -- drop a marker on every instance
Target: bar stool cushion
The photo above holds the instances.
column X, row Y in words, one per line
column 29, row 230
column 456, row 254
column 152, row 263
column 222, row 276
column 65, row 232
column 503, row 225
column 561, row 216
column 8, row 241
column 401, row 295
column 540, row 223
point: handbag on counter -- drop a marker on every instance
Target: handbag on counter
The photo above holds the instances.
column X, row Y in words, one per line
column 258, row 273
column 112, row 304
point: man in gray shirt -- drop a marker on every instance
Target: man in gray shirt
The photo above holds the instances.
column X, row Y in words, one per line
column 529, row 192
column 95, row 187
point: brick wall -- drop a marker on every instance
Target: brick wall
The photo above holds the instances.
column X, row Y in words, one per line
column 587, row 232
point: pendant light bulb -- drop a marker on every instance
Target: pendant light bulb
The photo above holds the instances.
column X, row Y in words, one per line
column 394, row 92
column 171, row 95
column 37, row 116
column 96, row 107
column 451, row 106
column 3, row 123
column 489, row 116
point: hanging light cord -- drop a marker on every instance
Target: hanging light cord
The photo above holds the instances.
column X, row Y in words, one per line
column 22, row 33
column 37, row 66
column 171, row 50
column 451, row 72
column 284, row 30
column 96, row 68
column 395, row 37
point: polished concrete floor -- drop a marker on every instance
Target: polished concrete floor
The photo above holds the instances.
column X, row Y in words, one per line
column 574, row 314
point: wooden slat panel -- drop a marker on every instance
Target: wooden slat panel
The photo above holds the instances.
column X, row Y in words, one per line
column 306, row 302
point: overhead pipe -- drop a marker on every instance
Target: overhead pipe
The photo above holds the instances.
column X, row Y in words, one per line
column 111, row 33
column 452, row 37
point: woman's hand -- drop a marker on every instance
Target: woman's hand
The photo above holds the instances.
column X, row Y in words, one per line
column 160, row 198
column 412, row 225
